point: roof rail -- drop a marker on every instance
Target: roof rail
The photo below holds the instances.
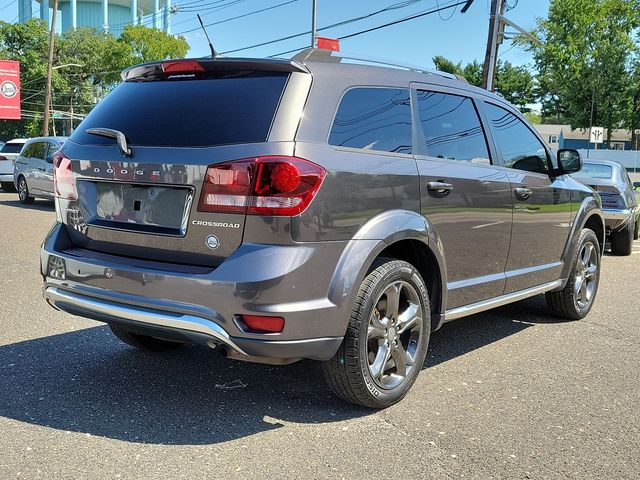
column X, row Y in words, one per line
column 320, row 55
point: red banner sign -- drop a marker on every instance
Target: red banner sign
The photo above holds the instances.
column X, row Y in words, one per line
column 9, row 90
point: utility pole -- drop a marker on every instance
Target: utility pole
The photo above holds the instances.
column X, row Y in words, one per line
column 497, row 23
column 491, row 55
column 47, row 93
column 314, row 14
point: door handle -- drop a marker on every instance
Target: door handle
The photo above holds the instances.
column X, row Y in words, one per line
column 523, row 193
column 440, row 188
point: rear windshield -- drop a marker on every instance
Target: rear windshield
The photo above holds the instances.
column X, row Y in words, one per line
column 12, row 148
column 236, row 108
column 594, row 170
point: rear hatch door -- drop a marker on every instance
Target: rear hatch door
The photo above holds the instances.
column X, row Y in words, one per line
column 176, row 125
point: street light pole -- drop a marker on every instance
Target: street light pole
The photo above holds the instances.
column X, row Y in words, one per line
column 47, row 93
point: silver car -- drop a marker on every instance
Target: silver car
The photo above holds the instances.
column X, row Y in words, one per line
column 619, row 202
column 8, row 154
column 33, row 168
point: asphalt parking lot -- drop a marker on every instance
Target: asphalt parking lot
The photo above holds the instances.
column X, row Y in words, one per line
column 511, row 393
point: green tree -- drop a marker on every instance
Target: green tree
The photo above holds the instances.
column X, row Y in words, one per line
column 583, row 60
column 97, row 59
column 26, row 43
column 148, row 44
column 514, row 83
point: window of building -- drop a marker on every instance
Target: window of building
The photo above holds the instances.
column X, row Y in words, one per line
column 374, row 119
column 553, row 139
column 518, row 146
column 451, row 128
column 616, row 146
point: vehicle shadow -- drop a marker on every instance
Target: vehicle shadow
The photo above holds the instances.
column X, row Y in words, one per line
column 38, row 204
column 87, row 381
column 470, row 333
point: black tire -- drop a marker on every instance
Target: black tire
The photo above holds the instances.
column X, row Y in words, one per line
column 143, row 342
column 8, row 187
column 349, row 373
column 572, row 302
column 636, row 230
column 622, row 240
column 23, row 191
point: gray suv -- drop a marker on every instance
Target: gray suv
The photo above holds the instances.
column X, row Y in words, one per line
column 33, row 168
column 312, row 208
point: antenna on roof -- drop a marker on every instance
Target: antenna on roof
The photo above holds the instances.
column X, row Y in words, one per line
column 214, row 54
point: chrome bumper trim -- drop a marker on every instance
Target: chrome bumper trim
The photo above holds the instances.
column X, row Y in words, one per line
column 611, row 214
column 189, row 323
column 474, row 308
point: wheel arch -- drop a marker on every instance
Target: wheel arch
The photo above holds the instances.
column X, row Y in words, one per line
column 399, row 234
column 589, row 215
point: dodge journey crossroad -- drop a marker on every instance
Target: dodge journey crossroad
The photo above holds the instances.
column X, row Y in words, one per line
column 313, row 208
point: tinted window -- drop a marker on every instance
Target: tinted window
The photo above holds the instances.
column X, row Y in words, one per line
column 374, row 119
column 451, row 128
column 519, row 147
column 234, row 108
column 12, row 148
column 37, row 150
column 594, row 170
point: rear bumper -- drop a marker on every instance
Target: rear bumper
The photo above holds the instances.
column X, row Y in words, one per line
column 616, row 219
column 200, row 306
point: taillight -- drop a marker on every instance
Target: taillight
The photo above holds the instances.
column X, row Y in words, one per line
column 612, row 200
column 63, row 184
column 280, row 186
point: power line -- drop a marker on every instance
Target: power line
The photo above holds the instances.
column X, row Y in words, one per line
column 238, row 16
column 395, row 22
column 395, row 6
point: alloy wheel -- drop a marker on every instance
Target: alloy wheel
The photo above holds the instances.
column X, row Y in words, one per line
column 22, row 189
column 394, row 333
column 586, row 275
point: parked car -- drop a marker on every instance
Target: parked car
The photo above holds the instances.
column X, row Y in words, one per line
column 312, row 208
column 8, row 154
column 619, row 202
column 33, row 169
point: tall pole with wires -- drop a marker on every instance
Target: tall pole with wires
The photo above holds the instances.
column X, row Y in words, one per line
column 47, row 93
column 314, row 14
column 488, row 71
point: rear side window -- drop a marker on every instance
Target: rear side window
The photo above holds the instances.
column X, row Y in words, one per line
column 519, row 147
column 11, row 148
column 234, row 107
column 595, row 170
column 36, row 150
column 451, row 128
column 373, row 119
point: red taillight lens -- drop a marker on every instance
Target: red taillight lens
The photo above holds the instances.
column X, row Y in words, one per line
column 281, row 186
column 63, row 182
column 182, row 66
column 263, row 324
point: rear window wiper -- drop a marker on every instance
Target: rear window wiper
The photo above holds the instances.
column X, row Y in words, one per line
column 111, row 133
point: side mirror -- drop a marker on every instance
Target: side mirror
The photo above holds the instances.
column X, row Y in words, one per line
column 636, row 185
column 49, row 159
column 569, row 160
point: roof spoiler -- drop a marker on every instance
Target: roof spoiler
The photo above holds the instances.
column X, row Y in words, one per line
column 149, row 71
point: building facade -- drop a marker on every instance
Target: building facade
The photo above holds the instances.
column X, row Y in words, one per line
column 108, row 15
column 562, row 136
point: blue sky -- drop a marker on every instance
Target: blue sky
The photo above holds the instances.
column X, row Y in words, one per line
column 461, row 37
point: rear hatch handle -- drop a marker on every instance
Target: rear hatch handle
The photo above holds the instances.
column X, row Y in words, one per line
column 111, row 133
